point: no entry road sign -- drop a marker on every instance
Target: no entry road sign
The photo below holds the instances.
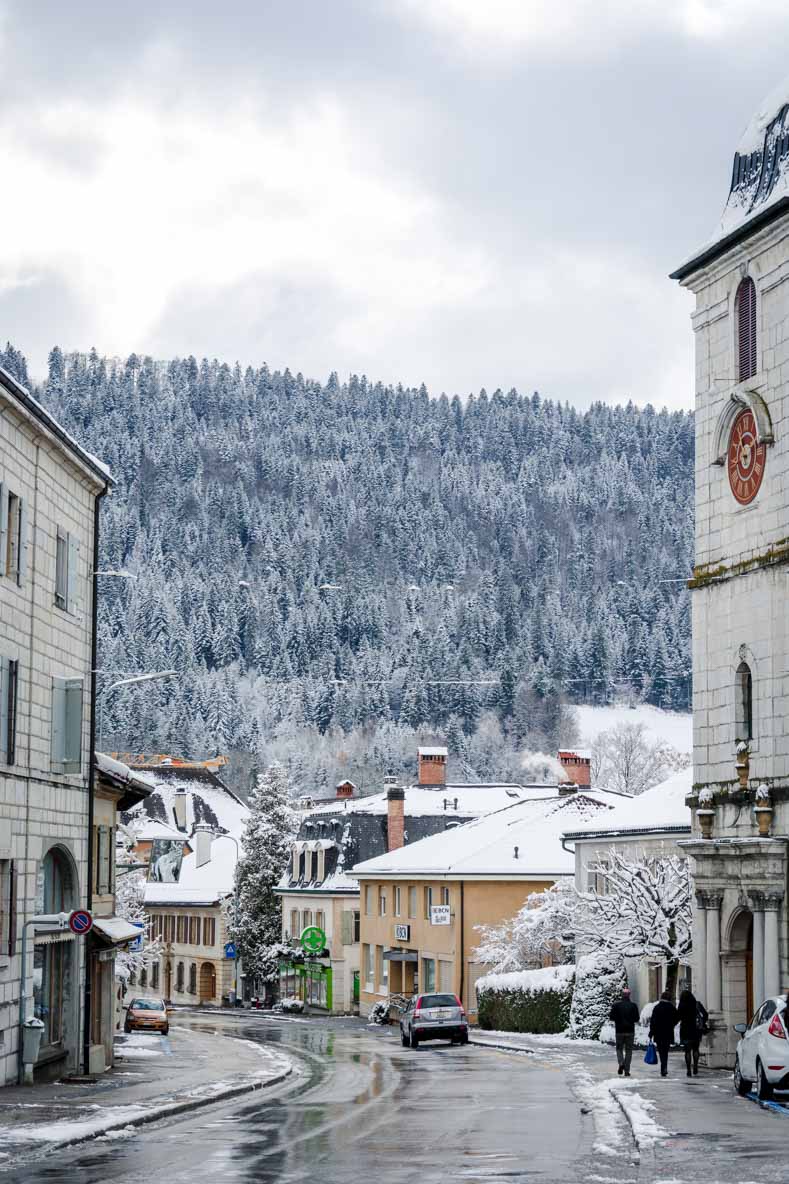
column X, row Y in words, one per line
column 80, row 922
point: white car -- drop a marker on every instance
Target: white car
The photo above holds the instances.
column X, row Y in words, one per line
column 763, row 1051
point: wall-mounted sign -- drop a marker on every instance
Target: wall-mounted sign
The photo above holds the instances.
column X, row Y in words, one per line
column 313, row 940
column 440, row 915
column 402, row 932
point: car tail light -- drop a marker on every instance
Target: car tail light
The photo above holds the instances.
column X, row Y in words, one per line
column 776, row 1027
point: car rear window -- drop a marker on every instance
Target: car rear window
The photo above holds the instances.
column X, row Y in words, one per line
column 147, row 1005
column 439, row 1001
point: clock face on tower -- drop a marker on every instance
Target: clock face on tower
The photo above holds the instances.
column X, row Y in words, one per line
column 746, row 458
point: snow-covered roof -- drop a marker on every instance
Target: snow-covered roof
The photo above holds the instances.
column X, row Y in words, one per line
column 116, row 770
column 661, row 808
column 207, row 800
column 116, row 930
column 520, row 841
column 32, row 405
column 421, row 801
column 759, row 179
column 432, row 752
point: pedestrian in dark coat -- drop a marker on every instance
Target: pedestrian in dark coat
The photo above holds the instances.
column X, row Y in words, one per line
column 662, row 1023
column 692, row 1022
column 624, row 1017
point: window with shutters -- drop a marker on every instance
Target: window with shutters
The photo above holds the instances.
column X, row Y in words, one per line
column 193, row 978
column 194, row 931
column 745, row 312
column 428, row 905
column 102, row 855
column 209, row 931
column 8, row 893
column 66, row 725
column 294, row 923
column 179, row 977
column 66, row 571
column 9, row 673
column 182, row 931
column 13, row 534
column 320, row 919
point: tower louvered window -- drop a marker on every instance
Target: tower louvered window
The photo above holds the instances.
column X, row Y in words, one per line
column 746, row 329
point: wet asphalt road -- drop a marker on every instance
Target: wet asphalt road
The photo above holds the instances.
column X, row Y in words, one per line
column 362, row 1110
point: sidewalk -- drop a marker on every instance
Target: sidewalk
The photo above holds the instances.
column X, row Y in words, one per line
column 154, row 1077
column 647, row 1118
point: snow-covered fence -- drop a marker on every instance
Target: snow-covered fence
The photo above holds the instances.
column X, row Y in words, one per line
column 526, row 1000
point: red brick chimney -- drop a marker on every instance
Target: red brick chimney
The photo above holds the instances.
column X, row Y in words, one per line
column 432, row 765
column 345, row 790
column 577, row 767
column 395, row 817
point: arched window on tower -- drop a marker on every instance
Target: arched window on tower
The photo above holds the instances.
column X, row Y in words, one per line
column 744, row 691
column 745, row 305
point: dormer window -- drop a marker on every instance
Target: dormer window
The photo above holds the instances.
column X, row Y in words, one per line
column 745, row 310
column 296, row 859
column 307, row 866
column 321, row 872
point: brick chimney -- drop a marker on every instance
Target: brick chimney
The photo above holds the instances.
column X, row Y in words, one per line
column 345, row 790
column 395, row 817
column 577, row 767
column 432, row 765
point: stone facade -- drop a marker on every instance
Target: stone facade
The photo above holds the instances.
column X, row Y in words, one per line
column 45, row 644
column 740, row 643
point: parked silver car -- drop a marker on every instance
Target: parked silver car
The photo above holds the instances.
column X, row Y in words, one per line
column 763, row 1051
column 433, row 1017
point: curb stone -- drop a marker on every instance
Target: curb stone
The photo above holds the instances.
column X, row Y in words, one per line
column 529, row 1052
column 154, row 1114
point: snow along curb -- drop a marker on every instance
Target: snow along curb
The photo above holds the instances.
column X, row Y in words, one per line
column 502, row 1047
column 152, row 1113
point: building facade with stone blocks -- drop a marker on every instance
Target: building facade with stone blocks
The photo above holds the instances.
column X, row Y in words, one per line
column 740, row 799
column 49, row 489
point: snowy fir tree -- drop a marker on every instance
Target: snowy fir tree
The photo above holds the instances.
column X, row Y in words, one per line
column 340, row 571
column 268, row 836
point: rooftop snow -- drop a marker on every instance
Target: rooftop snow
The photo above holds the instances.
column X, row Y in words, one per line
column 421, row 801
column 486, row 847
column 432, row 751
column 759, row 178
column 661, row 807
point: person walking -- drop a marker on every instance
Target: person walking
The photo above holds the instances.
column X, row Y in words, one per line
column 662, row 1023
column 692, row 1026
column 624, row 1017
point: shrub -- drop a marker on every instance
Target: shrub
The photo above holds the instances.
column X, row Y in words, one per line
column 599, row 980
column 526, row 1000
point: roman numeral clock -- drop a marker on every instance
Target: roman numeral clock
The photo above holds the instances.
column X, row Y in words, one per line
column 746, row 458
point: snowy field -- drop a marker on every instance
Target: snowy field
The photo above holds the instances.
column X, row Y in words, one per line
column 666, row 727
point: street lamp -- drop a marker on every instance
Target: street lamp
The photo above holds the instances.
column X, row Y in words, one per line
column 127, row 682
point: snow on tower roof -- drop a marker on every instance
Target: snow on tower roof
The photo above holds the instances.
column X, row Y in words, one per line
column 660, row 809
column 759, row 190
column 522, row 841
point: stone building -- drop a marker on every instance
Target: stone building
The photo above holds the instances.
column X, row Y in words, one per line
column 740, row 280
column 49, row 493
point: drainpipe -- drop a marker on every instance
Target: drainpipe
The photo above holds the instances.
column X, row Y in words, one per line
column 462, row 951
column 94, row 627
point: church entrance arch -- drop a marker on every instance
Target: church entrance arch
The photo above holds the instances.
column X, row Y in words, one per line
column 738, row 1000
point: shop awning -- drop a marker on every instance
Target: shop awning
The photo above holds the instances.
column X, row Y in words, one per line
column 115, row 931
column 400, row 956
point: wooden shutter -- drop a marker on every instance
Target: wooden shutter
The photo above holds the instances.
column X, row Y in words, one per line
column 9, row 710
column 72, row 595
column 3, row 527
column 104, row 860
column 58, row 739
column 5, row 671
column 746, row 329
column 23, row 542
column 72, row 758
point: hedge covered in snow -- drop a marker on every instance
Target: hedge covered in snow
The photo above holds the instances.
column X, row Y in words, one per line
column 600, row 978
column 526, row 1000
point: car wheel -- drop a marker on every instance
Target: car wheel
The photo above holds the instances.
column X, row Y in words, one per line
column 127, row 1028
column 742, row 1086
column 464, row 1038
column 414, row 1040
column 764, row 1091
column 403, row 1039
column 166, row 1031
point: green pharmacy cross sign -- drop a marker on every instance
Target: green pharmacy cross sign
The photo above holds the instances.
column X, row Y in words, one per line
column 313, row 939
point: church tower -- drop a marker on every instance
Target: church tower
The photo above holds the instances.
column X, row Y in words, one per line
column 740, row 588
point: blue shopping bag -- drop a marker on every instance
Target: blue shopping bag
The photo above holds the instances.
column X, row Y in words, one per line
column 650, row 1056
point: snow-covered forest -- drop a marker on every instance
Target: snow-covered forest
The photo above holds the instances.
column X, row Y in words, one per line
column 337, row 570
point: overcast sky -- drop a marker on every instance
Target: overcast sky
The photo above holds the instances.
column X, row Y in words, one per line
column 464, row 193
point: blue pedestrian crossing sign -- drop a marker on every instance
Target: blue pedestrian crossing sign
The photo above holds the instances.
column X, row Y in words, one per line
column 230, row 949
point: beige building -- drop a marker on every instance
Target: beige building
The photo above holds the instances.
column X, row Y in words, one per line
column 421, row 905
column 347, row 830
column 189, row 916
column 49, row 491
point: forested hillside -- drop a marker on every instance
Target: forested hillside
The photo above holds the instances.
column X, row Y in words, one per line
column 338, row 569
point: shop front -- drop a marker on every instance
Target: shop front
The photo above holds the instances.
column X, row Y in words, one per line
column 309, row 980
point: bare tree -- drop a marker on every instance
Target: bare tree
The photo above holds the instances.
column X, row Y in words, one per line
column 624, row 759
